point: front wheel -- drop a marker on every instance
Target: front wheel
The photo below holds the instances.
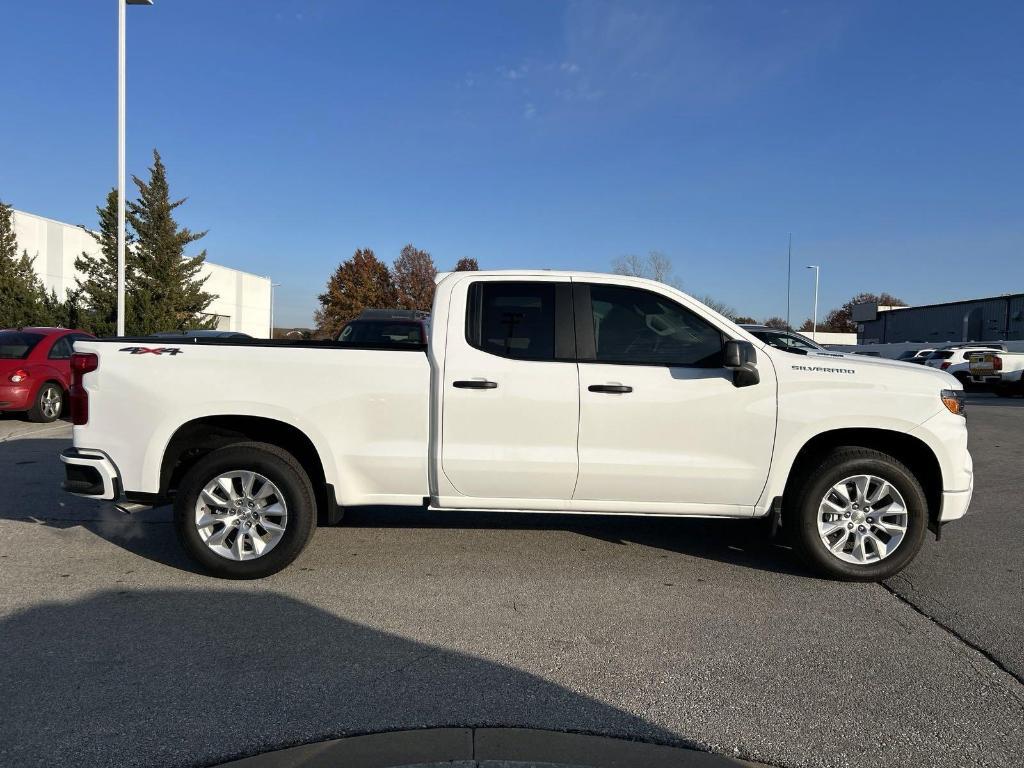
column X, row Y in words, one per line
column 245, row 511
column 860, row 515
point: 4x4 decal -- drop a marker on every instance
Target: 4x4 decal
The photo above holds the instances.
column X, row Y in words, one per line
column 152, row 350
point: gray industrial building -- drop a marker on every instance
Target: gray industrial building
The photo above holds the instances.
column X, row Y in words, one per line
column 999, row 318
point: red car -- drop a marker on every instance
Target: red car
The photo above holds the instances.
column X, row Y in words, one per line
column 35, row 370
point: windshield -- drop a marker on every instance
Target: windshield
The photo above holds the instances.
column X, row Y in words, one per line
column 382, row 332
column 790, row 342
column 15, row 345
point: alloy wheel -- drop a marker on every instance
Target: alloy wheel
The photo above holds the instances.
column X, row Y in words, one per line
column 51, row 402
column 241, row 515
column 862, row 519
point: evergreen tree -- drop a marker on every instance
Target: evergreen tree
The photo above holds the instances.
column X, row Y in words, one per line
column 95, row 297
column 170, row 293
column 23, row 298
column 414, row 274
column 362, row 282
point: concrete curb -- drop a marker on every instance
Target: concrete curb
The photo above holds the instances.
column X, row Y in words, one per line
column 485, row 747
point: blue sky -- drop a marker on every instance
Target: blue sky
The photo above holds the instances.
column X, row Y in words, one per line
column 888, row 137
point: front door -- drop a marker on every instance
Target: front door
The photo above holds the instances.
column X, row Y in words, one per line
column 660, row 418
column 511, row 392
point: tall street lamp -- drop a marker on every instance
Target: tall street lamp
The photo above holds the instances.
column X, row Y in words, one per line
column 121, row 6
column 814, row 322
column 273, row 285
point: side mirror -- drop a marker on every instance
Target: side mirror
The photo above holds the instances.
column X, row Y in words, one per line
column 741, row 358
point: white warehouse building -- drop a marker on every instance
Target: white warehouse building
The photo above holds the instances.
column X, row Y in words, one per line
column 242, row 303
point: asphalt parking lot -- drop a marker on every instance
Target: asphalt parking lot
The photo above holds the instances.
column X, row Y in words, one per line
column 682, row 632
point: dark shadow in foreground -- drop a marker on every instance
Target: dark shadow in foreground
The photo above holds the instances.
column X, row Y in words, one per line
column 176, row 677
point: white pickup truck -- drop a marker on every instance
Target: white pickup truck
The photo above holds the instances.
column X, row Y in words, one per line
column 1002, row 371
column 538, row 391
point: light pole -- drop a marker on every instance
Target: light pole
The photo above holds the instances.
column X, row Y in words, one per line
column 814, row 322
column 272, row 287
column 789, row 278
column 121, row 7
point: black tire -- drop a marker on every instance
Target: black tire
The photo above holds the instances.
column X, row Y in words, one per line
column 278, row 466
column 838, row 464
column 42, row 409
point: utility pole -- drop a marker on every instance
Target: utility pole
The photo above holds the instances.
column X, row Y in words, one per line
column 789, row 279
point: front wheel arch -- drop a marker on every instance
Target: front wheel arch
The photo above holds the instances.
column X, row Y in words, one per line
column 907, row 449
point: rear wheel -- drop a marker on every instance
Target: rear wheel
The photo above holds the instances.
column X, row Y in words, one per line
column 49, row 403
column 245, row 511
column 860, row 515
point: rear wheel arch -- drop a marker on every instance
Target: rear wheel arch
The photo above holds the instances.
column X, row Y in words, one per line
column 911, row 451
column 200, row 437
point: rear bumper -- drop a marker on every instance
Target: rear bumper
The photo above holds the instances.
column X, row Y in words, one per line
column 90, row 473
column 15, row 397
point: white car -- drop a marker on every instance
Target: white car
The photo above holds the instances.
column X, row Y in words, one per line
column 947, row 358
column 539, row 391
column 916, row 355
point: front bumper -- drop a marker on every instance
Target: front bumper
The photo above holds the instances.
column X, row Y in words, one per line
column 955, row 503
column 90, row 473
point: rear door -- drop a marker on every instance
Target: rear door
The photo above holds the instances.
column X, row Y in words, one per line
column 510, row 410
column 660, row 419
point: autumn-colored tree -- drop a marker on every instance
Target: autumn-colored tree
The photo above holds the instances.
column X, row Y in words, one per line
column 467, row 264
column 362, row 282
column 414, row 274
column 777, row 322
column 839, row 320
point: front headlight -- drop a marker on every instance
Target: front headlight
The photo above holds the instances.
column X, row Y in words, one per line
column 953, row 399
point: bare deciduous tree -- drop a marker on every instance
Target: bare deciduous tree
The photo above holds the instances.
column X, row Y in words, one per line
column 654, row 266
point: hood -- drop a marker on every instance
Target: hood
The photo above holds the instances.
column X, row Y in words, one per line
column 882, row 369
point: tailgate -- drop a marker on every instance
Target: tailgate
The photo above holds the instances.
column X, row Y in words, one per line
column 983, row 363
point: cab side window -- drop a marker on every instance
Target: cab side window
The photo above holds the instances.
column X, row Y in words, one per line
column 61, row 350
column 638, row 327
column 512, row 319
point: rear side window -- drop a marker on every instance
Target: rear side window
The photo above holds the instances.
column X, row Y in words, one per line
column 942, row 355
column 639, row 327
column 511, row 319
column 61, row 349
column 16, row 345
column 375, row 332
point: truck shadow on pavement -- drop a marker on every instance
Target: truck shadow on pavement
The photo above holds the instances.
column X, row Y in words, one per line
column 195, row 677
column 29, row 468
